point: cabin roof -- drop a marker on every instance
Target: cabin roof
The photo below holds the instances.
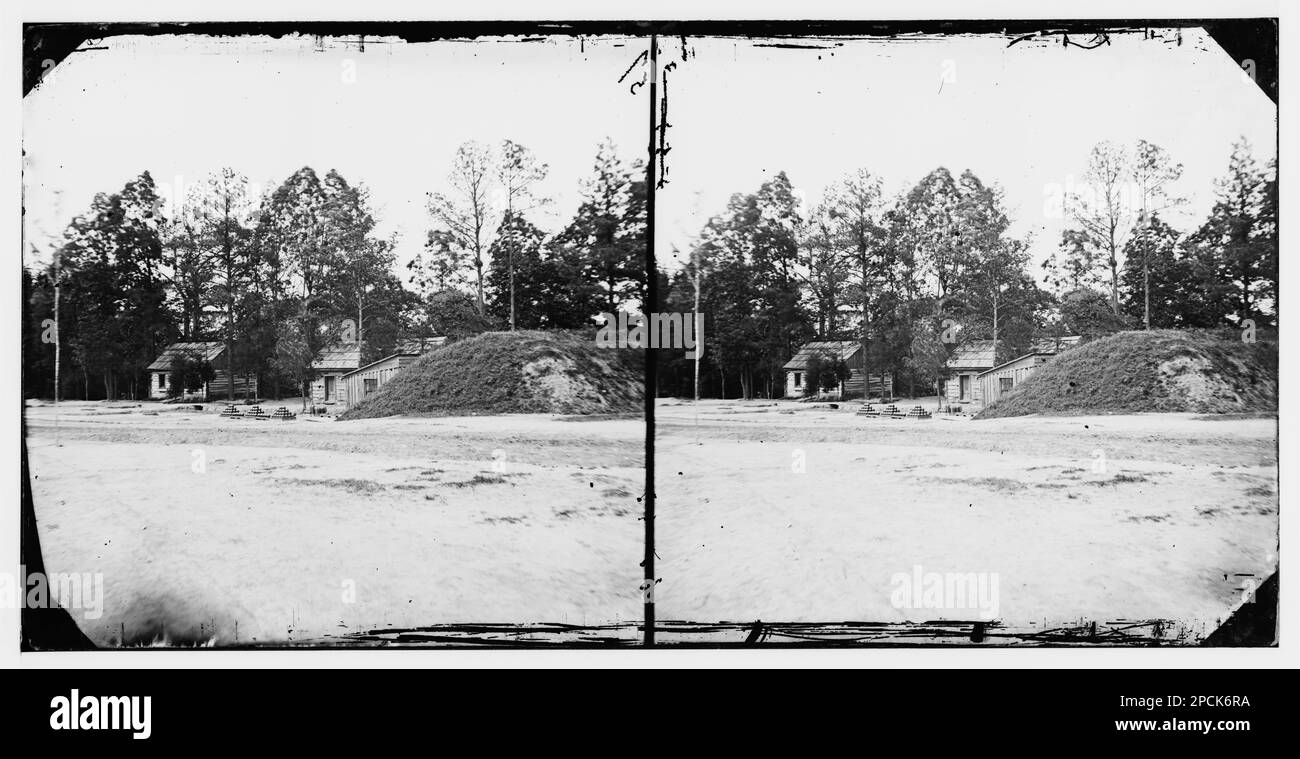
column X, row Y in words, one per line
column 978, row 354
column 414, row 346
column 973, row 354
column 841, row 349
column 338, row 357
column 1016, row 360
column 208, row 350
column 372, row 364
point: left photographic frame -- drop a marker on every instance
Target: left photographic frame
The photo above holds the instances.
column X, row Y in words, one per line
column 309, row 321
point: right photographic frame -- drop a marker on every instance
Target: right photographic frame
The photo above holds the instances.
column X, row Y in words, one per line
column 986, row 343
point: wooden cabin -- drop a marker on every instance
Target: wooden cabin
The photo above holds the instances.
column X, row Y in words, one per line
column 369, row 378
column 850, row 351
column 974, row 378
column 1001, row 379
column 328, row 370
column 965, row 365
column 214, row 352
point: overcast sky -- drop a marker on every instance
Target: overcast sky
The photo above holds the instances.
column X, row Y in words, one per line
column 1021, row 117
column 183, row 106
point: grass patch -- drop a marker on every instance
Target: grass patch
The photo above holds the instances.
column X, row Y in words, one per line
column 349, row 484
column 1123, row 477
column 999, row 484
column 479, row 479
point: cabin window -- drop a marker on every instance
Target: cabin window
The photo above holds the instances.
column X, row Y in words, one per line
column 370, row 385
column 798, row 379
column 162, row 381
column 1005, row 383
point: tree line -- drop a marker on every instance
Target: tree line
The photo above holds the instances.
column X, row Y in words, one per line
column 279, row 276
column 912, row 276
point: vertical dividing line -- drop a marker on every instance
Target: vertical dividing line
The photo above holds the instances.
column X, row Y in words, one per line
column 652, row 297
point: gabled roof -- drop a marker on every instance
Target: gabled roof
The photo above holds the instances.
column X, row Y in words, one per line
column 389, row 357
column 339, row 357
column 413, row 346
column 1017, row 360
column 978, row 354
column 208, row 350
column 841, row 349
column 972, row 354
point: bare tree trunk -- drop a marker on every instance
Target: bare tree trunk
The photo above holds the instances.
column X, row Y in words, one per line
column 361, row 332
column 995, row 324
column 1114, row 276
column 699, row 338
column 230, row 350
column 1146, row 289
column 58, row 338
column 478, row 270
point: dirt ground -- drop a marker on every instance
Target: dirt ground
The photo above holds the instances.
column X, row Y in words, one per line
column 1080, row 519
column 211, row 530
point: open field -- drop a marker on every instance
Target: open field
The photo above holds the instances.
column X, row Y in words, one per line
column 1081, row 519
column 216, row 530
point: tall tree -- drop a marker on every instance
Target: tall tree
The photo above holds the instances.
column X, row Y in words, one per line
column 1000, row 293
column 515, row 277
column 602, row 250
column 297, row 221
column 1103, row 209
column 931, row 227
column 1239, row 240
column 518, row 173
column 1153, row 172
column 1074, row 265
column 1162, row 285
column 361, row 282
column 224, row 232
column 927, row 355
column 442, row 264
column 187, row 267
column 466, row 214
column 774, row 224
column 827, row 270
column 853, row 219
column 115, row 313
column 295, row 235
column 146, row 324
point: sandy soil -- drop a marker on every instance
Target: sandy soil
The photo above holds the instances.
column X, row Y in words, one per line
column 210, row 529
column 1182, row 515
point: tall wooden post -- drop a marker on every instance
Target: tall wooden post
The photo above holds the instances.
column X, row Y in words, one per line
column 647, row 307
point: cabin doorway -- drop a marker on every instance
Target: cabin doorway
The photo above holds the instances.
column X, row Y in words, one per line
column 330, row 389
column 964, row 387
